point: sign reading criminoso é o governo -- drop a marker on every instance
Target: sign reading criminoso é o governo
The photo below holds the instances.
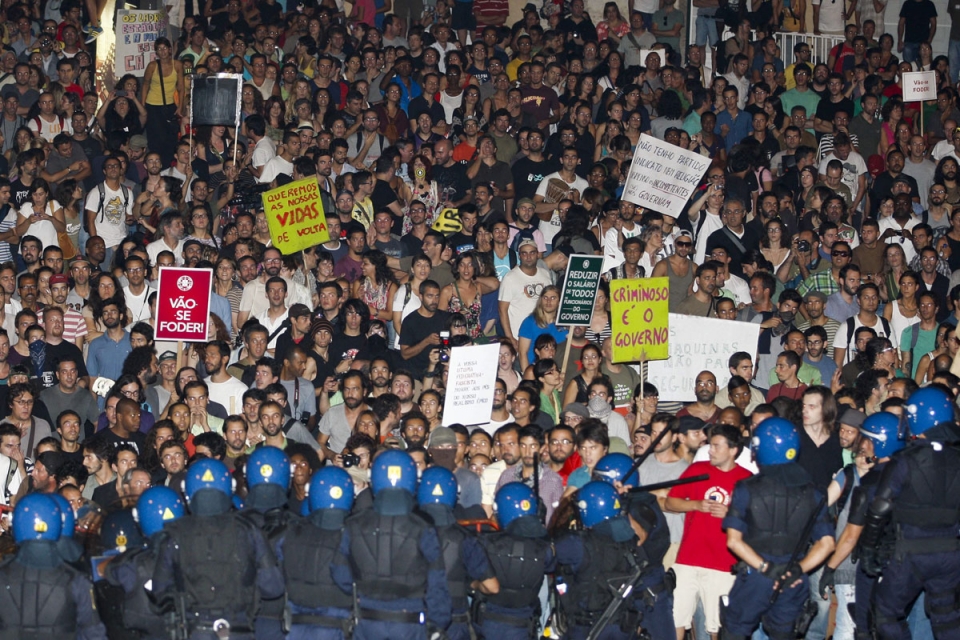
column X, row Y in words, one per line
column 639, row 319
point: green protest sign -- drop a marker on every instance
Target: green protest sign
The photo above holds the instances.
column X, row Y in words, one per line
column 579, row 290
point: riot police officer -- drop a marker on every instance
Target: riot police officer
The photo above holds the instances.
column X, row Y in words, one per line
column 653, row 599
column 394, row 557
column 268, row 481
column 214, row 563
column 911, row 524
column 882, row 438
column 768, row 517
column 521, row 556
column 307, row 549
column 133, row 569
column 593, row 560
column 119, row 533
column 40, row 595
column 464, row 559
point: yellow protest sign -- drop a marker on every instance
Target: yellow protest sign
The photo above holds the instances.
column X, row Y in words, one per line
column 640, row 320
column 295, row 216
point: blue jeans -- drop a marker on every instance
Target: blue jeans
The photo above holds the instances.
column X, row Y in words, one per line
column 647, row 20
column 707, row 29
column 846, row 594
column 953, row 53
column 911, row 51
column 818, row 628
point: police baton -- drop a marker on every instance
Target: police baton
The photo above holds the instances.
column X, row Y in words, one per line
column 646, row 454
column 669, row 483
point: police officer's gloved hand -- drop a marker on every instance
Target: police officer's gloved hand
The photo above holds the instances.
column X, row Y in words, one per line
column 870, row 561
column 774, row 571
column 827, row 581
column 791, row 574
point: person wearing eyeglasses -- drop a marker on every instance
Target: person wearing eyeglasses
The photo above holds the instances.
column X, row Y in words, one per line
column 828, row 281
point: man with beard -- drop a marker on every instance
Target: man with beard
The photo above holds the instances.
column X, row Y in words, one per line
column 816, row 355
column 851, row 421
column 551, row 485
column 706, row 391
column 413, row 429
column 80, row 272
column 663, row 465
column 224, row 388
column 67, row 394
column 445, row 452
column 56, row 348
column 304, row 405
column 106, row 354
column 499, row 415
column 337, row 423
column 28, row 170
column 525, row 407
column 690, row 437
column 380, row 377
column 701, row 302
column 192, row 253
column 30, row 248
column 420, row 331
column 254, row 347
column 254, row 301
column 271, row 423
column 109, row 206
column 402, row 387
column 171, row 236
column 507, row 440
column 235, row 435
column 74, row 327
column 562, row 456
column 173, row 461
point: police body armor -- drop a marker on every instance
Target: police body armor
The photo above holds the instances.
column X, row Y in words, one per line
column 217, row 571
column 36, row 604
column 931, row 500
column 605, row 563
column 458, row 582
column 308, row 552
column 777, row 515
column 137, row 612
column 272, row 523
column 385, row 555
column 646, row 507
column 519, row 564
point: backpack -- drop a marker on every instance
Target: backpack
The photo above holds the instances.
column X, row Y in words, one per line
column 522, row 234
column 851, row 332
column 40, row 124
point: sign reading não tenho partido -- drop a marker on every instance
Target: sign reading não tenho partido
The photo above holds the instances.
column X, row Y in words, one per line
column 295, row 216
column 662, row 176
column 183, row 304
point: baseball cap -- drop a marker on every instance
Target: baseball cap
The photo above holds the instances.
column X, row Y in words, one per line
column 853, row 418
column 79, row 260
column 59, row 278
column 527, row 242
column 576, row 409
column 819, row 295
column 298, row 310
column 442, row 437
column 525, row 201
column 138, row 141
column 167, row 355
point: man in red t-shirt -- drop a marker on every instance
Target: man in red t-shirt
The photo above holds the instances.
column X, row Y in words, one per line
column 703, row 561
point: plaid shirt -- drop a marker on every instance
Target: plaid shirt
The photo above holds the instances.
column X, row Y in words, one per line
column 822, row 281
column 943, row 267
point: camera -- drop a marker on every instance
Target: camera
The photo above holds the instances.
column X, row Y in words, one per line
column 444, row 356
column 445, row 339
column 803, row 246
column 350, row 460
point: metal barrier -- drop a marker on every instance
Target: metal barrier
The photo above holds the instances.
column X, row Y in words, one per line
column 819, row 45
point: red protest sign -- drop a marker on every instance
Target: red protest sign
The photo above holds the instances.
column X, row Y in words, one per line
column 183, row 304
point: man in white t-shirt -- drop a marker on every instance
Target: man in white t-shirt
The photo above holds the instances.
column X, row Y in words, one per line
column 221, row 386
column 520, row 289
column 282, row 163
column 854, row 168
column 569, row 159
column 137, row 291
column 48, row 124
column 107, row 215
column 613, row 239
column 263, row 147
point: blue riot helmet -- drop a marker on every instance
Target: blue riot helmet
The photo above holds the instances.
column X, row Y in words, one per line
column 597, row 501
column 394, row 469
column 207, row 473
column 37, row 517
column 69, row 521
column 884, row 430
column 514, row 500
column 775, row 441
column 268, row 478
column 120, row 531
column 613, row 466
column 156, row 507
column 926, row 408
column 437, row 486
column 331, row 488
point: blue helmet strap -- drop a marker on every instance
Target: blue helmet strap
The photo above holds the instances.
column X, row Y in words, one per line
column 328, row 519
column 441, row 514
column 39, row 554
column 264, row 497
column 393, row 502
column 210, row 502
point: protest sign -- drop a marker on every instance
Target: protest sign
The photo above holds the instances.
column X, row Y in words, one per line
column 579, row 290
column 470, row 384
column 638, row 312
column 183, row 304
column 136, row 32
column 919, row 85
column 662, row 176
column 700, row 344
column 295, row 216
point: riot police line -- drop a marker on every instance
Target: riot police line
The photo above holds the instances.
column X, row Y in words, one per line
column 394, row 562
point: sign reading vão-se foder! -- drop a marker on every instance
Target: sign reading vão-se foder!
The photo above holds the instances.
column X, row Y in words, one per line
column 295, row 216
column 579, row 290
column 639, row 318
column 919, row 85
column 183, row 304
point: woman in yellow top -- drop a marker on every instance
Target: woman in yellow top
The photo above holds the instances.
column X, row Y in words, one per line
column 162, row 83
